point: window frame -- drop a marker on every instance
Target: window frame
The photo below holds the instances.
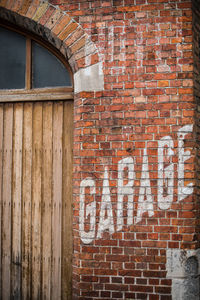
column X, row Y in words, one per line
column 36, row 94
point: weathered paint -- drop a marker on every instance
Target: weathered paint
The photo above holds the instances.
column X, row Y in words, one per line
column 146, row 200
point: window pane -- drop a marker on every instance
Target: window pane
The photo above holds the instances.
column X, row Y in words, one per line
column 48, row 71
column 12, row 59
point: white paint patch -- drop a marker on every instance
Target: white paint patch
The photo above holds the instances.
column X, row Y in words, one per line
column 89, row 79
column 105, row 223
column 165, row 172
column 87, row 212
column 125, row 190
column 183, row 191
column 145, row 191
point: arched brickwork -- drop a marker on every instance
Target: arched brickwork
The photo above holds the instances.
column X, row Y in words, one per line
column 59, row 29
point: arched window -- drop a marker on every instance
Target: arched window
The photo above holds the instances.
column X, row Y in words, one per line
column 31, row 67
column 36, row 142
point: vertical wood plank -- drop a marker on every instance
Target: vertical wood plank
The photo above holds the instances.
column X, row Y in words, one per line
column 46, row 201
column 36, row 200
column 26, row 201
column 1, row 173
column 67, row 241
column 57, row 200
column 6, row 197
column 16, row 202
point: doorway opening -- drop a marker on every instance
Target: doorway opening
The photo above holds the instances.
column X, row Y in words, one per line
column 36, row 144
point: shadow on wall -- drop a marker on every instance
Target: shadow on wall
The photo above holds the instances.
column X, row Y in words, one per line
column 191, row 283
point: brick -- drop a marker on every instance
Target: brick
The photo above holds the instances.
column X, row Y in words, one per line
column 59, row 26
column 47, row 15
column 32, row 9
column 79, row 44
column 55, row 17
column 74, row 36
column 163, row 83
column 145, row 289
column 40, row 11
column 117, row 258
column 68, row 30
column 116, row 287
column 8, row 4
column 16, row 5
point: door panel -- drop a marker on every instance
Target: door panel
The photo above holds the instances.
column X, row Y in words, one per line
column 36, row 195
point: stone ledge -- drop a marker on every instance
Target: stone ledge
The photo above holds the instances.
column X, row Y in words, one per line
column 183, row 267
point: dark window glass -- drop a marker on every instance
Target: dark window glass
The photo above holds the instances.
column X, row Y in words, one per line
column 12, row 59
column 48, row 71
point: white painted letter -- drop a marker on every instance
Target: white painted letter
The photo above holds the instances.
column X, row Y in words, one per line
column 145, row 190
column 125, row 190
column 165, row 174
column 106, row 208
column 183, row 191
column 87, row 237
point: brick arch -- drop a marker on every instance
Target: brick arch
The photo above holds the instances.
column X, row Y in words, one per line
column 59, row 29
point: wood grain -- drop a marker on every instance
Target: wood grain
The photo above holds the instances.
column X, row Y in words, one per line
column 16, row 201
column 47, row 199
column 26, row 201
column 67, row 240
column 7, row 201
column 36, row 200
column 57, row 199
column 1, row 179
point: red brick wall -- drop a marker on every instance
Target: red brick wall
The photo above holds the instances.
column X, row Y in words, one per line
column 148, row 68
column 134, row 146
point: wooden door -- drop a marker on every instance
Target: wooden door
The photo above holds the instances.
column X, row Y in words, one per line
column 35, row 195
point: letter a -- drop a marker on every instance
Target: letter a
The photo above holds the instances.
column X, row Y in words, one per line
column 145, row 189
column 125, row 190
column 106, row 207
